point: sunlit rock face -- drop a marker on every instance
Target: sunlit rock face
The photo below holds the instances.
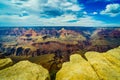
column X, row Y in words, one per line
column 5, row 63
column 96, row 66
column 70, row 34
column 77, row 69
column 24, row 70
column 105, row 69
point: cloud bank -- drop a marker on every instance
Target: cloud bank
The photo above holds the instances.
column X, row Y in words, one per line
column 111, row 10
column 53, row 13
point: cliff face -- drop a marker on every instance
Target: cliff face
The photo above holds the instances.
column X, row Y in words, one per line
column 53, row 41
column 104, row 39
column 71, row 35
column 96, row 66
column 24, row 70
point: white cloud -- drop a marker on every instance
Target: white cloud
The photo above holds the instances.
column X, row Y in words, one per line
column 27, row 10
column 46, row 12
column 64, row 21
column 47, row 7
column 85, row 12
column 66, row 4
column 58, row 21
column 74, row 8
column 89, row 21
column 111, row 10
column 94, row 13
column 15, row 20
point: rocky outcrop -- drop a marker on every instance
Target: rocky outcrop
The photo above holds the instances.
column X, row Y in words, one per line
column 24, row 70
column 23, row 50
column 104, row 39
column 103, row 67
column 95, row 66
column 5, row 63
column 76, row 69
column 30, row 32
column 64, row 34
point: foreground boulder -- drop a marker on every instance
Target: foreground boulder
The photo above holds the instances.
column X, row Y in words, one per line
column 76, row 69
column 5, row 63
column 24, row 70
column 103, row 67
column 95, row 66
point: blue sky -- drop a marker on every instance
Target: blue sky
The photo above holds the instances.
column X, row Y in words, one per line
column 96, row 13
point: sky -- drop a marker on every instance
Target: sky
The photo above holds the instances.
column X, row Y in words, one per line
column 93, row 13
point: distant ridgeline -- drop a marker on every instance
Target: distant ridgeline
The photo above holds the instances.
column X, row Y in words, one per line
column 35, row 41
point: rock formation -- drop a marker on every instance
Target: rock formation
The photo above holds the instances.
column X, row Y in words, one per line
column 76, row 69
column 24, row 70
column 95, row 66
column 71, row 34
column 104, row 39
column 103, row 67
column 30, row 32
column 5, row 63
